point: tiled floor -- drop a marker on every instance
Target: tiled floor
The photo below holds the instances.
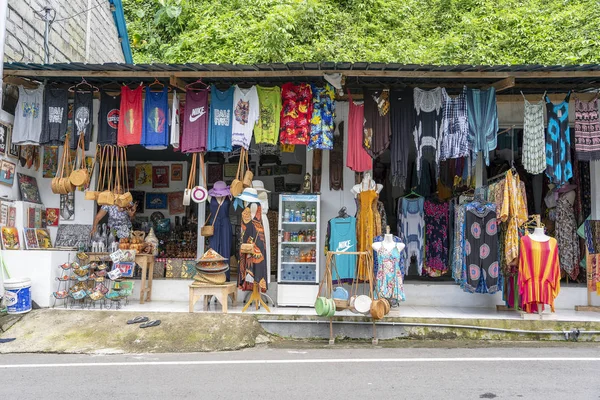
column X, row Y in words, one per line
column 402, row 311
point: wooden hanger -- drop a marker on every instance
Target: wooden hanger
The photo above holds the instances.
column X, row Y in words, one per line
column 157, row 82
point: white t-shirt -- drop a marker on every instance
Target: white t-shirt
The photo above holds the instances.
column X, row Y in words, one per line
column 28, row 116
column 175, row 121
column 245, row 114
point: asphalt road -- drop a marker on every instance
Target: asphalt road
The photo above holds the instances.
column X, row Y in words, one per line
column 487, row 373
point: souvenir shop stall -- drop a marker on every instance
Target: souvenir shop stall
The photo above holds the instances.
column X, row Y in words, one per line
column 331, row 182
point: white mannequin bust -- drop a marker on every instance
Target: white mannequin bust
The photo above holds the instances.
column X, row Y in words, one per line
column 253, row 208
column 539, row 235
column 388, row 242
column 366, row 184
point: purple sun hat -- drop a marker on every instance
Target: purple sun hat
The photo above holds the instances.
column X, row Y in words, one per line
column 219, row 189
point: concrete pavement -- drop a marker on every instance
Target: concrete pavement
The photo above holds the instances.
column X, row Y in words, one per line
column 506, row 373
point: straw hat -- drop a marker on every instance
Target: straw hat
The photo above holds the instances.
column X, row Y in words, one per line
column 260, row 187
column 213, row 279
column 212, row 263
column 250, row 195
column 219, row 189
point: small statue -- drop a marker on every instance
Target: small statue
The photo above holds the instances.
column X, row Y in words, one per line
column 306, row 186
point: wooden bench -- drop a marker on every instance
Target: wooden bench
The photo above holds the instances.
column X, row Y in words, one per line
column 206, row 291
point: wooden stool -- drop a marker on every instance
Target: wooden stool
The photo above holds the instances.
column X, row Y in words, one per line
column 206, row 291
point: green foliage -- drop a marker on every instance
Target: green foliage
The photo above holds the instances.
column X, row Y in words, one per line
column 403, row 31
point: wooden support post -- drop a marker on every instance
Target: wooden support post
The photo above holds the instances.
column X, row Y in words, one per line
column 177, row 82
column 503, row 84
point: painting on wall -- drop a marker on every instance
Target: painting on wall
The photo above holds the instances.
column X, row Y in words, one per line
column 30, row 239
column 138, row 198
column 131, row 176
column 67, row 206
column 10, row 238
column 176, row 203
column 13, row 149
column 73, row 236
column 7, row 173
column 52, row 216
column 4, row 213
column 215, row 173
column 177, row 172
column 4, row 132
column 50, row 161
column 229, row 170
column 43, row 238
column 29, row 188
column 143, row 175
column 156, row 201
column 160, row 177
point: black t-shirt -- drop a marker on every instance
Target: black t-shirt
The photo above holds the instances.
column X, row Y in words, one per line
column 54, row 126
column 108, row 119
column 82, row 118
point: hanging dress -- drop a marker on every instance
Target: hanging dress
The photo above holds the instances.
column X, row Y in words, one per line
column 365, row 225
column 402, row 120
column 428, row 127
column 253, row 266
column 220, row 241
column 587, row 130
column 566, row 237
column 455, row 126
column 389, row 283
column 539, row 273
column 264, row 206
column 483, row 122
column 558, row 142
column 411, row 224
column 357, row 159
column 376, row 132
column 534, row 138
column 436, row 232
column 295, row 113
column 323, row 114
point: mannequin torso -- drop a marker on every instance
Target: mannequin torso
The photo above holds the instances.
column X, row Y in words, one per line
column 539, row 235
column 388, row 243
column 366, row 184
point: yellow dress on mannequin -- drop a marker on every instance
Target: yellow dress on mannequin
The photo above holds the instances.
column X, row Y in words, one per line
column 365, row 225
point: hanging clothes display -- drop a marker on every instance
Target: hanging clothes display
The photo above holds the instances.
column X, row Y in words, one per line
column 513, row 211
column 389, row 282
column 195, row 131
column 221, row 119
column 558, row 142
column 246, row 112
column 455, row 126
column 323, row 114
column 365, row 225
column 56, row 107
column 534, row 138
column 264, row 206
column 587, row 130
column 295, row 113
column 175, row 122
column 336, row 159
column 267, row 126
column 428, row 127
column 357, row 159
column 411, row 223
column 108, row 119
column 342, row 238
column 220, row 241
column 483, row 122
column 83, row 110
column 253, row 266
column 27, row 126
column 481, row 248
column 436, row 234
column 376, row 130
column 566, row 236
column 130, row 116
column 155, row 127
column 402, row 121
column 539, row 273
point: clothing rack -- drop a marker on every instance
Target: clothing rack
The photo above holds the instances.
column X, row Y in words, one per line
column 589, row 277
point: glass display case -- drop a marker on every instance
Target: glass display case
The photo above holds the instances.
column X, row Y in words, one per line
column 298, row 251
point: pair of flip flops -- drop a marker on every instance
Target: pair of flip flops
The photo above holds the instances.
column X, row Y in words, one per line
column 145, row 322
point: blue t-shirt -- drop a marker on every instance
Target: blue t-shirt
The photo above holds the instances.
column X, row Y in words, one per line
column 221, row 118
column 155, row 127
column 343, row 238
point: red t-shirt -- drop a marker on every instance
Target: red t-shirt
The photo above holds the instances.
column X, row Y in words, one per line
column 296, row 112
column 130, row 117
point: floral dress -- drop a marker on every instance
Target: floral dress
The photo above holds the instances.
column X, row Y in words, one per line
column 389, row 282
column 321, row 123
column 436, row 234
column 566, row 236
column 118, row 221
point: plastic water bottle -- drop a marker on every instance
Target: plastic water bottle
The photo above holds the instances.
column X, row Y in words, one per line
column 286, row 216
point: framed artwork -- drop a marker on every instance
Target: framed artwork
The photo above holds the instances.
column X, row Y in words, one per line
column 126, row 268
column 30, row 239
column 215, row 173
column 143, row 175
column 10, row 238
column 156, row 201
column 4, row 132
column 38, row 217
column 73, row 236
column 7, row 173
column 43, row 238
column 294, row 169
column 4, row 213
column 279, row 184
column 229, row 170
column 131, row 176
column 67, row 206
column 12, row 215
column 138, row 197
column 30, row 217
column 177, row 172
column 52, row 216
column 13, row 149
column 160, row 177
column 280, row 170
column 265, row 171
column 50, row 161
column 176, row 203
column 28, row 188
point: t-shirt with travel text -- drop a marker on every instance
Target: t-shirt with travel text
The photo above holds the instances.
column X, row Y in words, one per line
column 221, row 120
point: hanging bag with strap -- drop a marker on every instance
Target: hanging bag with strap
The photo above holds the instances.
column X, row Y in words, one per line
column 64, row 184
column 187, row 193
column 248, row 175
column 79, row 176
column 124, row 199
column 55, row 184
column 209, row 230
column 237, row 186
column 93, row 194
column 199, row 193
column 107, row 197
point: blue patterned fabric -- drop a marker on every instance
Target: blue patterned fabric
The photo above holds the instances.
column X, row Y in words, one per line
column 412, row 227
column 455, row 126
column 323, row 114
column 483, row 122
column 558, row 142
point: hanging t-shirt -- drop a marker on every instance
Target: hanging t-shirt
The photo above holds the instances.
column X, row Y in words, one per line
column 108, row 119
column 267, row 126
column 245, row 112
column 323, row 114
column 155, row 129
column 221, row 119
column 55, row 122
column 28, row 116
column 343, row 239
column 295, row 113
column 83, row 109
column 175, row 121
column 195, row 129
column 130, row 118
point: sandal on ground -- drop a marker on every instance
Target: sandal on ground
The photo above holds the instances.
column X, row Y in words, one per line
column 150, row 324
column 137, row 320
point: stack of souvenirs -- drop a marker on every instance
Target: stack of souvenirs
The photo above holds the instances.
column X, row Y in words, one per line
column 211, row 269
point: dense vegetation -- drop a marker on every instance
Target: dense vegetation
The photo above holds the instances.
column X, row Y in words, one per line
column 403, row 31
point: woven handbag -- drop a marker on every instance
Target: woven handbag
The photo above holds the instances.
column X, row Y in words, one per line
column 237, row 186
column 123, row 200
column 209, row 230
column 107, row 197
column 248, row 175
column 80, row 176
column 93, row 194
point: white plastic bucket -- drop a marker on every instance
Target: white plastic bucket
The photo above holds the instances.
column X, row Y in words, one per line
column 17, row 295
